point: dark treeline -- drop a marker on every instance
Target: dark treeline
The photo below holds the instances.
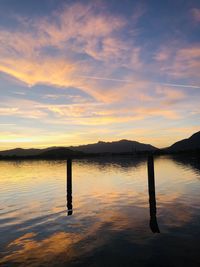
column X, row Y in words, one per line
column 62, row 155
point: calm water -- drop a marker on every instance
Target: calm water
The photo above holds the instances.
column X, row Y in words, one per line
column 107, row 221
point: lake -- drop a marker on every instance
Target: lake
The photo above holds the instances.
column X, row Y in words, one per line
column 108, row 214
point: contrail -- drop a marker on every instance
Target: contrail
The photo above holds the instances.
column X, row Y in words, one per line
column 180, row 85
column 105, row 79
column 129, row 81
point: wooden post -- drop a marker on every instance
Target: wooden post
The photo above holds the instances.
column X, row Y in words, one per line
column 69, row 187
column 152, row 196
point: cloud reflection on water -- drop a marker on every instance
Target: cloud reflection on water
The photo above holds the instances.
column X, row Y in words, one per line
column 111, row 214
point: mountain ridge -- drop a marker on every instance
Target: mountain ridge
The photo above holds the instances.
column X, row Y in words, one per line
column 190, row 143
column 113, row 147
column 121, row 146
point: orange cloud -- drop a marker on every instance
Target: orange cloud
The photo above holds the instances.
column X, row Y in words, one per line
column 22, row 52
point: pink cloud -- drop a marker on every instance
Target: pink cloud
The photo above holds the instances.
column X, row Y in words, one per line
column 163, row 55
column 21, row 54
column 187, row 62
column 178, row 61
column 196, row 14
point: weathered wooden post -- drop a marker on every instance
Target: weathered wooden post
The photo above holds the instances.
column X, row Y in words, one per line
column 69, row 187
column 152, row 196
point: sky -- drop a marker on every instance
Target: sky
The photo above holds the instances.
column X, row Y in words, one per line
column 77, row 72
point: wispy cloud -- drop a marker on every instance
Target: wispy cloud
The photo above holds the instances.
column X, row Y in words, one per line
column 196, row 14
column 132, row 82
column 123, row 73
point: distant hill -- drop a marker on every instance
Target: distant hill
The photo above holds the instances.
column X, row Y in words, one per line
column 191, row 143
column 21, row 152
column 122, row 146
column 47, row 153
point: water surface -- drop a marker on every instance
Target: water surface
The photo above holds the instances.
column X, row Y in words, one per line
column 105, row 217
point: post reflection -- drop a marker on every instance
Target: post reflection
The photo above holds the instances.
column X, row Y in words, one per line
column 69, row 187
column 152, row 196
column 151, row 188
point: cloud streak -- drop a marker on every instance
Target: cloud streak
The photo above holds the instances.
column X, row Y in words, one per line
column 132, row 82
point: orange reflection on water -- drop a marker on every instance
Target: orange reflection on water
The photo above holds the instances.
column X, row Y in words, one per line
column 26, row 248
column 110, row 200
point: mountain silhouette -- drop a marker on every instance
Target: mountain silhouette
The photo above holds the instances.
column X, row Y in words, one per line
column 61, row 152
column 21, row 152
column 191, row 143
column 122, row 146
column 116, row 147
column 32, row 152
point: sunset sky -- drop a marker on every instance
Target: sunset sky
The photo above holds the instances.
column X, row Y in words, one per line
column 76, row 72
